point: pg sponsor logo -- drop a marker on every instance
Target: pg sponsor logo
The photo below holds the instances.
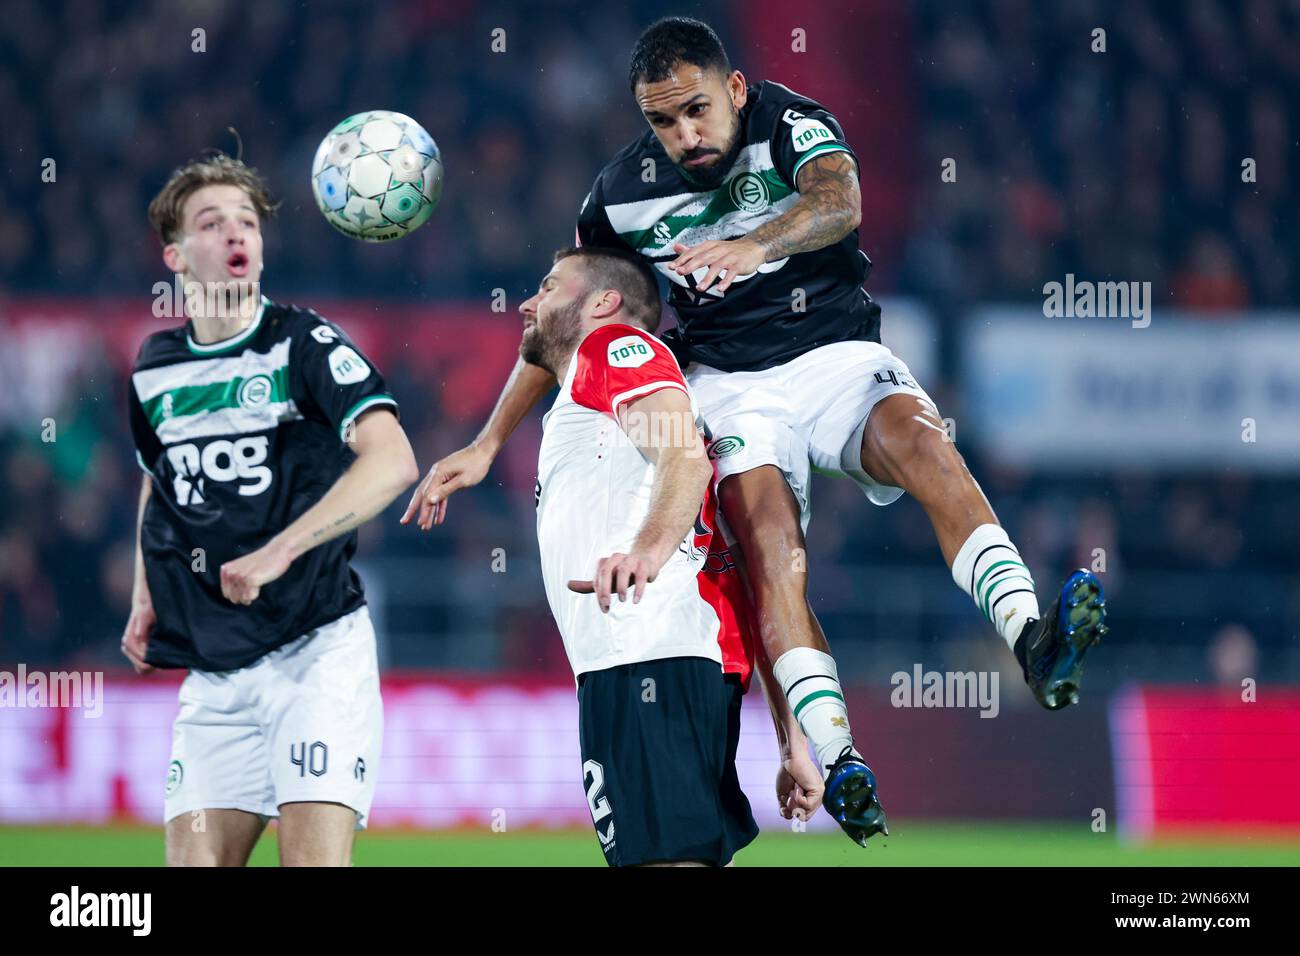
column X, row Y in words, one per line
column 242, row 460
column 629, row 351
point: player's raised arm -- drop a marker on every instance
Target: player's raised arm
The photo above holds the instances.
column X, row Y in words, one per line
column 662, row 425
column 828, row 209
column 468, row 466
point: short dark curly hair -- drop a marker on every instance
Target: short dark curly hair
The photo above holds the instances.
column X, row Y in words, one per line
column 671, row 41
column 215, row 170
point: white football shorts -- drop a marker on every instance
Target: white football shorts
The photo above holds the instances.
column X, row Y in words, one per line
column 302, row 724
column 806, row 415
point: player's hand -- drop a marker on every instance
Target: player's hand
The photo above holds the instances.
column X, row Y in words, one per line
column 738, row 257
column 616, row 574
column 461, row 469
column 135, row 639
column 799, row 786
column 242, row 579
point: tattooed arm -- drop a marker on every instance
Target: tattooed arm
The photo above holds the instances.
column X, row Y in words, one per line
column 828, row 209
column 385, row 465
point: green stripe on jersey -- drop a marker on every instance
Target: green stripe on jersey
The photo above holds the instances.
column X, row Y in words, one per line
column 360, row 407
column 817, row 150
column 752, row 194
column 225, row 394
column 721, row 205
column 262, row 389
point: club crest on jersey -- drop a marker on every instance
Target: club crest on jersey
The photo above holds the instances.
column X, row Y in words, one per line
column 663, row 232
column 255, row 392
column 630, row 351
column 175, row 774
column 749, row 192
column 725, row 446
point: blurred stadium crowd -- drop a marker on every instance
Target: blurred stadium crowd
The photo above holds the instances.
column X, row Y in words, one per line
column 1115, row 165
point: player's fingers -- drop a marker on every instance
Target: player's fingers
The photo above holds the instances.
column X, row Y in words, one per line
column 440, row 512
column 232, row 585
column 432, row 482
column 725, row 282
column 425, row 520
column 623, row 579
column 806, row 800
column 140, row 666
column 414, row 505
column 582, row 587
column 691, row 259
column 641, row 581
column 709, row 277
column 604, row 583
column 450, row 484
column 136, row 659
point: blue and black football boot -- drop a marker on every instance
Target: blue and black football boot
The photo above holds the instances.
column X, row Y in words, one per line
column 851, row 799
column 1051, row 650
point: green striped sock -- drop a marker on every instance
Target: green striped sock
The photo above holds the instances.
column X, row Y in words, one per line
column 812, row 686
column 989, row 568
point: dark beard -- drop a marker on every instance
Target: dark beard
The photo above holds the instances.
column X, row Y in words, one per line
column 548, row 349
column 711, row 177
column 532, row 349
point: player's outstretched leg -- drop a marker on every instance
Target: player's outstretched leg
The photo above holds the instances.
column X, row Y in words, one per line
column 904, row 445
column 764, row 515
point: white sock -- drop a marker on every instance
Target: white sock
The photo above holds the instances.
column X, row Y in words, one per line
column 811, row 685
column 989, row 568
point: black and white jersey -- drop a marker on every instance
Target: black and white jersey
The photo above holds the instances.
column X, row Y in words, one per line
column 241, row 437
column 641, row 201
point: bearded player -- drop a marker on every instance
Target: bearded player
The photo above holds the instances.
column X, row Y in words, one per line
column 746, row 199
column 266, row 439
column 626, row 512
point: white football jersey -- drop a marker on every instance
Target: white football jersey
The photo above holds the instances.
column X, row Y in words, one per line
column 593, row 494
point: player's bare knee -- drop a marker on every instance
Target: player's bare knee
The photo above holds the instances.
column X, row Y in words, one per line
column 910, row 452
column 185, row 853
column 316, row 856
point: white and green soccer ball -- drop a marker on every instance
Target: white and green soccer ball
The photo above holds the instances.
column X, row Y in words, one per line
column 377, row 176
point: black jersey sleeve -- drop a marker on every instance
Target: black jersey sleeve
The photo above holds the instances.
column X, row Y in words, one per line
column 329, row 374
column 594, row 228
column 804, row 131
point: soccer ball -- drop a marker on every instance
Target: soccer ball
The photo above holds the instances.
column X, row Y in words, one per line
column 377, row 176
